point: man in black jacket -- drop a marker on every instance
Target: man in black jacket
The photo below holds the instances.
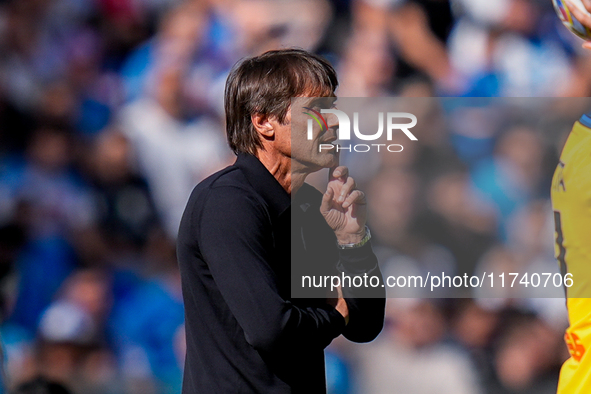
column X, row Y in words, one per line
column 241, row 248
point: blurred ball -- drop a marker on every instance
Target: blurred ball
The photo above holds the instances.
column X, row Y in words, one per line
column 569, row 20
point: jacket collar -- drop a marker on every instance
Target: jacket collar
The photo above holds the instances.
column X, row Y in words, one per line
column 264, row 183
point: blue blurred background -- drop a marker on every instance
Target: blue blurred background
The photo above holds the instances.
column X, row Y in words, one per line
column 111, row 111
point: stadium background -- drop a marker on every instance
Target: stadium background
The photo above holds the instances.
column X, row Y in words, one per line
column 111, row 111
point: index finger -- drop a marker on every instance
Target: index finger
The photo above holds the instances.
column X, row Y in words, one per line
column 338, row 172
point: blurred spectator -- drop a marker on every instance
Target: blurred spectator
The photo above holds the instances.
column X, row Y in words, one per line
column 513, row 176
column 71, row 345
column 457, row 216
column 410, row 349
column 501, row 344
column 367, row 68
column 174, row 155
column 49, row 200
column 111, row 111
column 53, row 199
column 392, row 202
column 508, row 48
column 475, row 326
column 526, row 357
column 419, row 30
column 41, row 386
column 125, row 210
column 174, row 150
column 148, row 326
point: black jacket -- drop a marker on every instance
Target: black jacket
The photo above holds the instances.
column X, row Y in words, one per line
column 237, row 244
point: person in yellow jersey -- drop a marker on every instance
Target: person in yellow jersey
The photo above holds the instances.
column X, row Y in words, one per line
column 571, row 202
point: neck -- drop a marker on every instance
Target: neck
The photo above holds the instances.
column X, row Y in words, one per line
column 280, row 167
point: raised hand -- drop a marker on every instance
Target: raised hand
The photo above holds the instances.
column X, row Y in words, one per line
column 344, row 207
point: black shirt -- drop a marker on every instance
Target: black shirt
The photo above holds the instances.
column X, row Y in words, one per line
column 245, row 333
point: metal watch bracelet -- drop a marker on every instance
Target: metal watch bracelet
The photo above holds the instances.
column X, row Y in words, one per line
column 358, row 244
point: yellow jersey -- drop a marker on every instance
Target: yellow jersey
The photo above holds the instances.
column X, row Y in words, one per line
column 571, row 202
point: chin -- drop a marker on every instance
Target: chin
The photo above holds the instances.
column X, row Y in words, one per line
column 332, row 160
column 318, row 162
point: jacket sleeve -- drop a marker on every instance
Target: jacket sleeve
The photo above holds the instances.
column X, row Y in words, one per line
column 235, row 238
column 366, row 303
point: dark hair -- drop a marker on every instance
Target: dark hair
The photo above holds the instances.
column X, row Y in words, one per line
column 265, row 84
column 41, row 386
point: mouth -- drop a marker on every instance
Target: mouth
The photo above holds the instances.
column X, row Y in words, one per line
column 331, row 139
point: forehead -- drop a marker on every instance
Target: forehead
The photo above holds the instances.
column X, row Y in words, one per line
column 315, row 101
column 319, row 95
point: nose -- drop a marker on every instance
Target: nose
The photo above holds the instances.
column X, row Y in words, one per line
column 332, row 121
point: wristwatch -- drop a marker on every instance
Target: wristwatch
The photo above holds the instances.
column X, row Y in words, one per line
column 358, row 244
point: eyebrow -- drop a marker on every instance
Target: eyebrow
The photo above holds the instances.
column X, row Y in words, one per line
column 323, row 101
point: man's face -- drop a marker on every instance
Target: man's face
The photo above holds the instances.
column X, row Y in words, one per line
column 306, row 152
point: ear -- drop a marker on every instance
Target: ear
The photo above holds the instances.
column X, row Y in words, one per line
column 263, row 125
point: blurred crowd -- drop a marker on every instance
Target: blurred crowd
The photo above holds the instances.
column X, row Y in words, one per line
column 470, row 196
column 111, row 111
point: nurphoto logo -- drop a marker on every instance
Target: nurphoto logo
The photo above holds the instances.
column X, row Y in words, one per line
column 393, row 124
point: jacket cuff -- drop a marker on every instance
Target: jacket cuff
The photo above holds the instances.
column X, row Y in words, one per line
column 338, row 320
column 357, row 260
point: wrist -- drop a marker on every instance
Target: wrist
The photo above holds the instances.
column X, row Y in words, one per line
column 353, row 240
